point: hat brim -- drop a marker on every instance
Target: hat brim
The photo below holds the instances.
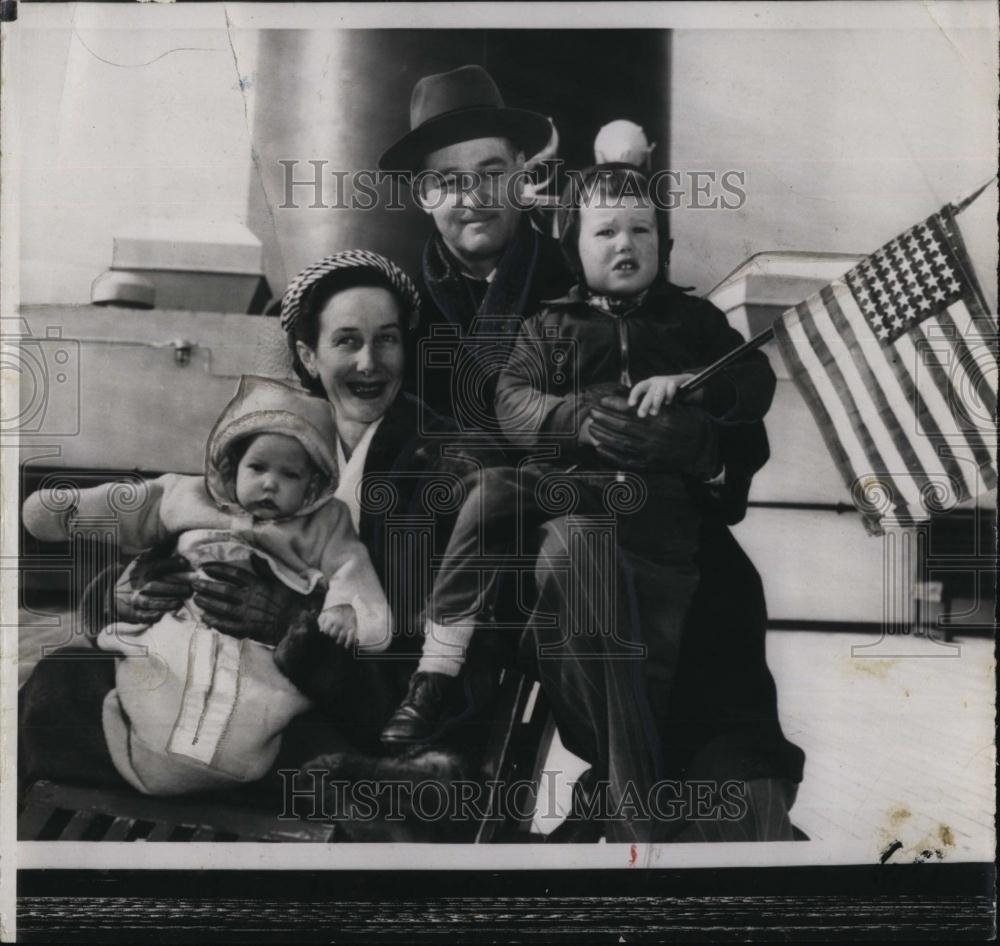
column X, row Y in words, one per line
column 529, row 131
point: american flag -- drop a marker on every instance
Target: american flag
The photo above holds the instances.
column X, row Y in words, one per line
column 897, row 361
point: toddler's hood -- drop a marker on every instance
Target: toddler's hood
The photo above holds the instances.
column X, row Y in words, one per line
column 265, row 406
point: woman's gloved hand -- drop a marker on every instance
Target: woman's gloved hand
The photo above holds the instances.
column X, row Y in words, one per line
column 245, row 604
column 587, row 400
column 314, row 661
column 679, row 439
column 153, row 585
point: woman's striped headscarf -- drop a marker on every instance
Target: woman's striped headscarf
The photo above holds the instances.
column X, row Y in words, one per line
column 401, row 284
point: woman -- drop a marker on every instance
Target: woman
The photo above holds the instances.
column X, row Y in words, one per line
column 346, row 318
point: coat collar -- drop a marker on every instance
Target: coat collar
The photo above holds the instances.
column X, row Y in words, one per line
column 508, row 291
column 397, row 428
column 404, row 430
column 577, row 295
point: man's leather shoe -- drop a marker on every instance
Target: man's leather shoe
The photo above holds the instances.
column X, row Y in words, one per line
column 583, row 824
column 432, row 700
column 393, row 807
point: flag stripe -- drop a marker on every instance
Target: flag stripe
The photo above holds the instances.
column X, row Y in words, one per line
column 799, row 371
column 953, row 442
column 968, row 362
column 890, row 414
column 823, row 399
column 892, row 403
column 975, row 320
column 931, row 413
column 937, row 334
column 985, row 323
column 975, row 323
column 911, row 408
column 875, row 461
column 868, row 424
column 952, row 232
column 957, row 318
column 943, row 397
column 835, row 378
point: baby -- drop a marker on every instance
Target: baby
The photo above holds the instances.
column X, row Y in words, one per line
column 194, row 709
column 597, row 373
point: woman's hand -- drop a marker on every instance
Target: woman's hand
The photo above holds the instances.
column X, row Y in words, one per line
column 340, row 622
column 653, row 393
column 588, row 398
column 244, row 604
column 153, row 585
column 682, row 439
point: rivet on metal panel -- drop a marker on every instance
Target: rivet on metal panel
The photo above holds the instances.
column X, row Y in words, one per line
column 182, row 350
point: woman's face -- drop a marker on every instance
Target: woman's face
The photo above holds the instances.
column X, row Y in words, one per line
column 359, row 353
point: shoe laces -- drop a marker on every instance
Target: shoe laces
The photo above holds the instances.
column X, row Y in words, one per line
column 435, row 687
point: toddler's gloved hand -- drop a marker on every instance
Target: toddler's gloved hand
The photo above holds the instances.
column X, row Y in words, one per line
column 340, row 622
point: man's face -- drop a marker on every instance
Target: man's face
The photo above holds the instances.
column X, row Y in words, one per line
column 470, row 196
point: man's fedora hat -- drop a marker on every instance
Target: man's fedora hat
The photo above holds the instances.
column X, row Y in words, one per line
column 459, row 106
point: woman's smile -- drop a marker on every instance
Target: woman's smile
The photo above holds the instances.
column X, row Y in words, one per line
column 367, row 390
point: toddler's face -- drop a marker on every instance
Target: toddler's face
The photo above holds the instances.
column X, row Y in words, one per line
column 619, row 246
column 273, row 476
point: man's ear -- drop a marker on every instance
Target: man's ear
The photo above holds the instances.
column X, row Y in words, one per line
column 308, row 358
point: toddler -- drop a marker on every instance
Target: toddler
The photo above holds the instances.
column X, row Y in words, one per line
column 596, row 373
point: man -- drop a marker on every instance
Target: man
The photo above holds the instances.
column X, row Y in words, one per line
column 466, row 154
column 487, row 264
column 485, row 267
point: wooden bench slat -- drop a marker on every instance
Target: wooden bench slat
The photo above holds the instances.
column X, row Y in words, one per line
column 32, row 819
column 78, row 824
column 120, row 827
column 161, row 832
column 205, row 818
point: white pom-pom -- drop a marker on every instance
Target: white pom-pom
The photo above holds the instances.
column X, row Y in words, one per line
column 623, row 141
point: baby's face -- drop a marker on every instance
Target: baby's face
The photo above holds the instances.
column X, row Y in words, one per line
column 273, row 476
column 619, row 245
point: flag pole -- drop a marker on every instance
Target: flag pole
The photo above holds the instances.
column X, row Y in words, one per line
column 706, row 374
column 959, row 207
